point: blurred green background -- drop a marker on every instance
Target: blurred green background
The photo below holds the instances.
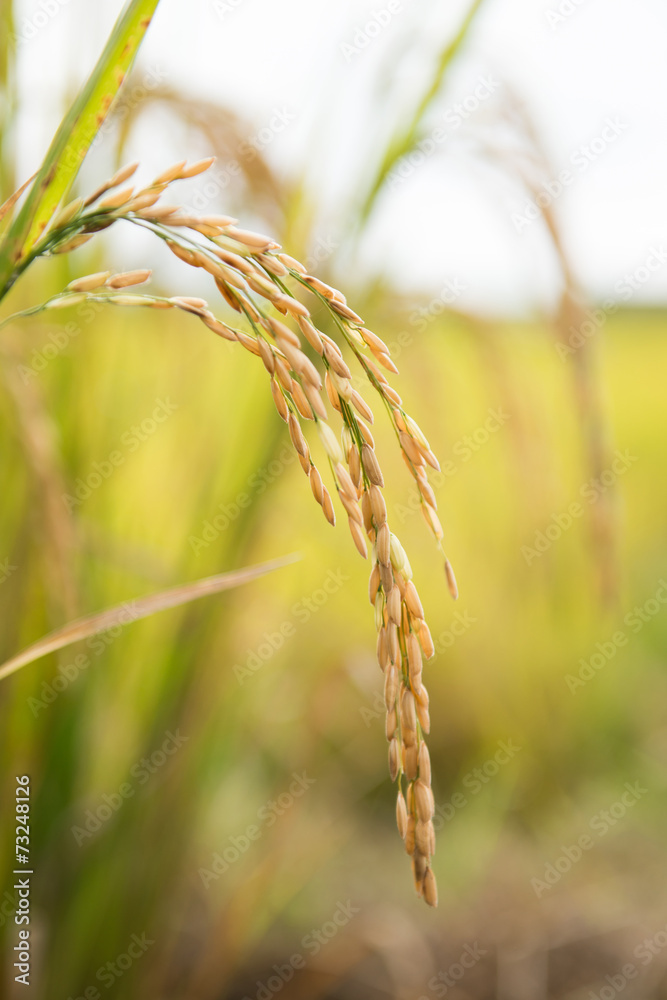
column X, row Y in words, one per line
column 255, row 822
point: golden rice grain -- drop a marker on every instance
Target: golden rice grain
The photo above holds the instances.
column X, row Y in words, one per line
column 117, row 199
column 423, row 801
column 390, row 723
column 412, row 600
column 171, row 173
column 310, row 333
column 430, row 888
column 390, row 685
column 451, row 580
column 291, row 263
column 126, row 278
column 426, row 641
column 358, row 537
column 371, row 465
column 296, row 434
column 315, row 400
column 424, row 763
column 327, row 506
column 394, row 605
column 196, row 168
column 316, row 484
column 89, row 282
column 378, row 506
column 301, row 402
column 383, row 544
column 345, row 311
column 335, row 358
column 410, row 834
column 410, row 761
column 266, row 354
column 279, row 400
column 393, row 759
column 362, row 406
column 401, row 815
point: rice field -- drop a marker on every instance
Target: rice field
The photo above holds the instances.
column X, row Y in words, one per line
column 227, row 787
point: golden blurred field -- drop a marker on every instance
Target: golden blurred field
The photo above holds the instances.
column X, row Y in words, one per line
column 210, row 783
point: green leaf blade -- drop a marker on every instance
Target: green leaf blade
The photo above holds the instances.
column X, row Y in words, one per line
column 75, row 136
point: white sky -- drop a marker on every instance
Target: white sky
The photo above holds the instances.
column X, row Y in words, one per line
column 452, row 217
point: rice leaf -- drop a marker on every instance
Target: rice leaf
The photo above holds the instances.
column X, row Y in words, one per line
column 406, row 136
column 75, row 135
column 142, row 607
